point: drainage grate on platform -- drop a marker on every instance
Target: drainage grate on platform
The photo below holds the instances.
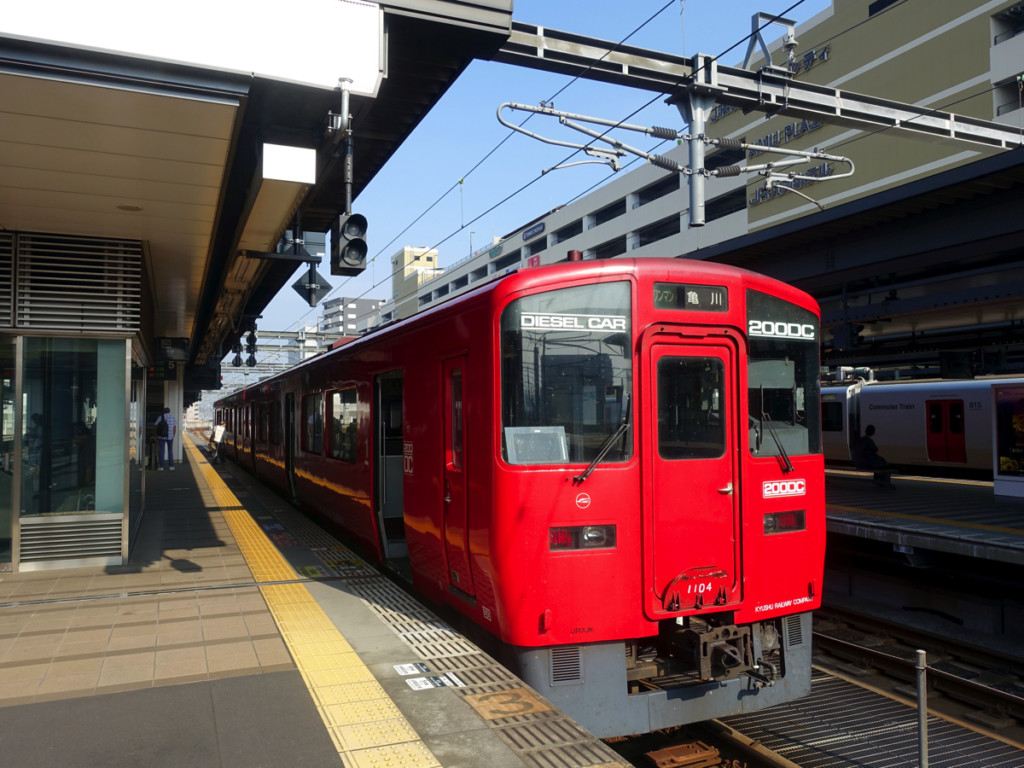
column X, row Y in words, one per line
column 540, row 735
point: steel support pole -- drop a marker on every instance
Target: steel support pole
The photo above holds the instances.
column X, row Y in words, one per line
column 922, row 708
column 695, row 105
column 696, row 109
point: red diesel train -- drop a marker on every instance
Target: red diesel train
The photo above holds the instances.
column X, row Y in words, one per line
column 614, row 467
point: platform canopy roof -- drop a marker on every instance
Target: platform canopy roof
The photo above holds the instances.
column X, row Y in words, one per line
column 202, row 129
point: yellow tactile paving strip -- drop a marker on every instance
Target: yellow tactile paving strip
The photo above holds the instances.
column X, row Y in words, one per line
column 367, row 728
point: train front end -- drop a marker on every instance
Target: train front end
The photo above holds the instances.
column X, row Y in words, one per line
column 657, row 543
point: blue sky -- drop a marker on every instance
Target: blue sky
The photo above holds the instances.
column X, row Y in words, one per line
column 462, row 129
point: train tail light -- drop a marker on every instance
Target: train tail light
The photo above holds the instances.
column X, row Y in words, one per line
column 784, row 522
column 581, row 537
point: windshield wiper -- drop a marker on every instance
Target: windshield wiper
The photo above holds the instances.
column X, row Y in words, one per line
column 787, row 465
column 606, row 446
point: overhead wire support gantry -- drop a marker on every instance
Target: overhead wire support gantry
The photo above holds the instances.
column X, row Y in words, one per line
column 776, row 173
column 768, row 90
column 695, row 84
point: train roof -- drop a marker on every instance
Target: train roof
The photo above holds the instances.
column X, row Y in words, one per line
column 562, row 273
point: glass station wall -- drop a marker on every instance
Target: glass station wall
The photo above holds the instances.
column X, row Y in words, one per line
column 74, row 426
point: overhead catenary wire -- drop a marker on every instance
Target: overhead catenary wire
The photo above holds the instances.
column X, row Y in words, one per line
column 461, row 181
column 648, row 103
column 595, row 185
column 531, row 182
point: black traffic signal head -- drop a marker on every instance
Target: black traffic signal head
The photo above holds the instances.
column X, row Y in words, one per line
column 348, row 244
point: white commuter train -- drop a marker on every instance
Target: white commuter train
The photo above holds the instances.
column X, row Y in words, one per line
column 935, row 424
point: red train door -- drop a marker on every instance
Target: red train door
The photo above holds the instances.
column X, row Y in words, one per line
column 946, row 441
column 454, row 482
column 691, row 507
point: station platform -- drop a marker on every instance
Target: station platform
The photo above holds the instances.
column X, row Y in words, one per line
column 241, row 634
column 960, row 517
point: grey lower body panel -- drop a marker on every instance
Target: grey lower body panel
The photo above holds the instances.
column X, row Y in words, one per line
column 594, row 690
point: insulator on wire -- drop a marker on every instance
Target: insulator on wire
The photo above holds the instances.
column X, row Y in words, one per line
column 729, row 143
column 728, row 170
column 663, row 162
column 659, row 132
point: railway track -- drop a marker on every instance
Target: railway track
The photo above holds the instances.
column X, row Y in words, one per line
column 861, row 710
column 980, row 685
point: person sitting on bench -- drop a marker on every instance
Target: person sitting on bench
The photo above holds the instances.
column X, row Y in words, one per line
column 865, row 456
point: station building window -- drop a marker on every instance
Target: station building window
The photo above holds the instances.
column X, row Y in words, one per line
column 536, row 246
column 658, row 231
column 615, row 247
column 570, row 230
column 511, row 260
column 660, row 188
column 609, row 212
column 724, row 205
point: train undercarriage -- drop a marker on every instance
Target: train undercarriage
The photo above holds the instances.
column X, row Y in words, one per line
column 691, row 671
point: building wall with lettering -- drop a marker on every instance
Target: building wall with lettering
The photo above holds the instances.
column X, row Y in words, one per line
column 945, row 58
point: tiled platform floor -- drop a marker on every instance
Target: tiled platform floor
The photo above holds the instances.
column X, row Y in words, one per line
column 183, row 610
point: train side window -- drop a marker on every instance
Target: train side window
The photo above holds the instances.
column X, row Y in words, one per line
column 456, row 418
column 832, row 417
column 313, row 423
column 274, row 433
column 343, row 418
column 956, row 418
column 935, row 420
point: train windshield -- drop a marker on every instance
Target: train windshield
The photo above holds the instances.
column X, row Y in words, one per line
column 567, row 375
column 782, row 378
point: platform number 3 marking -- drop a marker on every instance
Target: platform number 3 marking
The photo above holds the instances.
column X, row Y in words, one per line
column 518, row 701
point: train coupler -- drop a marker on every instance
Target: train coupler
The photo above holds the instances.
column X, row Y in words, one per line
column 716, row 653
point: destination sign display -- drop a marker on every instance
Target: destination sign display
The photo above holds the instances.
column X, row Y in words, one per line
column 697, row 298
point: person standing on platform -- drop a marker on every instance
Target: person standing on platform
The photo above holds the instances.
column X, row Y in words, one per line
column 166, row 427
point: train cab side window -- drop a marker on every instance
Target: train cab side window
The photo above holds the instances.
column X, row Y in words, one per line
column 783, row 390
column 343, row 418
column 313, row 423
column 567, row 375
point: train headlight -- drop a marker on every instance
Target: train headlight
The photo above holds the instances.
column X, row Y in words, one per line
column 595, row 536
column 572, row 537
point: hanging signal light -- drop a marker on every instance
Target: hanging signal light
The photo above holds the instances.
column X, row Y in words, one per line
column 348, row 244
